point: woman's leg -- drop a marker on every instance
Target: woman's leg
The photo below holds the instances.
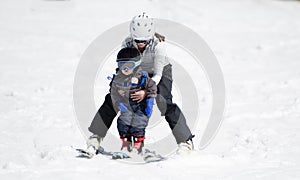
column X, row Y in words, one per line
column 170, row 110
column 103, row 118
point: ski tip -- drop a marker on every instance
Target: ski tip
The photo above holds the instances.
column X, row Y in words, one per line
column 120, row 155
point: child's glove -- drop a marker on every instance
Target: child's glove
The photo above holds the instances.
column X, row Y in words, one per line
column 122, row 107
column 149, row 106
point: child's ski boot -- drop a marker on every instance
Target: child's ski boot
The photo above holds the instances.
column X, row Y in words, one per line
column 138, row 144
column 125, row 149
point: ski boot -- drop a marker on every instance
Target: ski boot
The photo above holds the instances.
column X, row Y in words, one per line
column 126, row 144
column 186, row 147
column 93, row 144
column 138, row 144
column 125, row 149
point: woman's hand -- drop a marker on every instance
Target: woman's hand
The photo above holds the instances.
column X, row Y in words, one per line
column 139, row 95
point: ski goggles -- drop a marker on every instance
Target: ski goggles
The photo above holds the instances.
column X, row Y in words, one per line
column 141, row 41
column 128, row 64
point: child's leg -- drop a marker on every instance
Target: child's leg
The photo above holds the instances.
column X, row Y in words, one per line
column 138, row 126
column 126, row 143
column 138, row 142
column 124, row 133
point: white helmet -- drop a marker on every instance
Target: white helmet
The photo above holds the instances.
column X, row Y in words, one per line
column 142, row 27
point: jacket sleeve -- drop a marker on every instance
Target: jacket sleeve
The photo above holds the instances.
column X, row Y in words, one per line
column 151, row 88
column 114, row 93
column 160, row 59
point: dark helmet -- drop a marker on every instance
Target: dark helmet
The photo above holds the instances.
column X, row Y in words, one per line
column 128, row 58
column 128, row 54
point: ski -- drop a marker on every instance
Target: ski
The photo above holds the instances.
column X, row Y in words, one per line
column 120, row 155
column 84, row 153
column 147, row 156
column 151, row 156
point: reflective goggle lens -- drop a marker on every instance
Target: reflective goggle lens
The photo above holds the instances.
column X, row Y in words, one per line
column 141, row 41
column 130, row 65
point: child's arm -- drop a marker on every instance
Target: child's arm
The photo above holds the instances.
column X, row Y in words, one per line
column 151, row 88
column 149, row 106
column 151, row 94
column 116, row 96
column 113, row 90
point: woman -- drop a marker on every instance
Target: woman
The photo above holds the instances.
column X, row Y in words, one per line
column 156, row 63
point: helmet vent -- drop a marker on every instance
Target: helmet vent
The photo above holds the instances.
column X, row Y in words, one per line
column 142, row 26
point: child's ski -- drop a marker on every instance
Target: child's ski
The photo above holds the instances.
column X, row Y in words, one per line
column 120, row 155
column 147, row 156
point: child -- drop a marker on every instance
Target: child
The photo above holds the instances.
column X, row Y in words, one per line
column 134, row 114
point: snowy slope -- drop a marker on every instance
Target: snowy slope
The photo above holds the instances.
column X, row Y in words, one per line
column 257, row 43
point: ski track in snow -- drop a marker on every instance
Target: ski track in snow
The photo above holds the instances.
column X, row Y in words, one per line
column 257, row 43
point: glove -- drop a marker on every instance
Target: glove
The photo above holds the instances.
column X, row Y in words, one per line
column 149, row 106
column 122, row 107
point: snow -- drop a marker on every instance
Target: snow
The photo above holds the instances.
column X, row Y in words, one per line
column 257, row 43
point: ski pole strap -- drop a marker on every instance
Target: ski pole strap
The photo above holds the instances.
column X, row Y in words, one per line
column 109, row 78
